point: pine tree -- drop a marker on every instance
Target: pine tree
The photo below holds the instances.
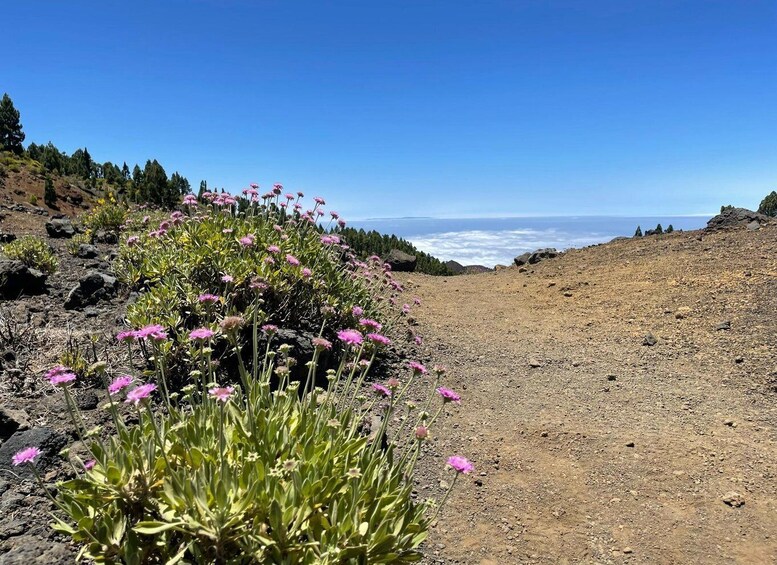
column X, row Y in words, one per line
column 49, row 194
column 669, row 229
column 659, row 229
column 203, row 189
column 11, row 134
column 769, row 204
column 638, row 233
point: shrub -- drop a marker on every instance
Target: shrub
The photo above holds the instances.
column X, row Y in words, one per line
column 33, row 252
column 33, row 200
column 304, row 278
column 49, row 194
column 76, row 241
column 109, row 214
column 768, row 205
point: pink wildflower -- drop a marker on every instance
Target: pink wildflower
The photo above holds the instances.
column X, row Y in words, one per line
column 460, row 464
column 418, row 340
column 319, row 200
column 60, row 375
column 270, row 329
column 417, row 368
column 448, row 395
column 357, row 311
column 321, row 343
column 125, row 336
column 222, row 394
column 351, row 337
column 132, row 240
column 201, row 334
column 153, row 331
column 140, row 393
column 421, row 432
column 307, row 273
column 26, row 455
column 372, row 324
column 381, row 390
column 248, row 240
column 208, row 298
column 273, row 249
column 227, row 278
column 378, row 339
column 120, row 383
column 89, row 465
column 292, row 260
column 417, row 301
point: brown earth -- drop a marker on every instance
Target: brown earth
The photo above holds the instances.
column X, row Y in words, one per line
column 589, row 446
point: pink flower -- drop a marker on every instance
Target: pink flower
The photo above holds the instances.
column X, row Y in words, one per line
column 201, row 334
column 319, row 200
column 307, row 273
column 372, row 324
column 254, row 185
column 248, row 240
column 379, row 339
column 460, row 464
column 26, row 455
column 406, row 308
column 417, row 301
column 119, row 383
column 222, row 394
column 89, row 465
column 417, row 368
column 125, row 336
column 153, row 331
column 417, row 339
column 357, row 311
column 334, row 215
column 140, row 393
column 273, row 249
column 132, row 240
column 421, row 432
column 292, row 260
column 448, row 395
column 270, row 329
column 269, row 261
column 227, row 278
column 209, row 298
column 321, row 343
column 60, row 375
column 381, row 390
column 351, row 337
column 341, row 223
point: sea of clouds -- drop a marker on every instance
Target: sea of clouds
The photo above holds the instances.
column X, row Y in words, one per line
column 499, row 247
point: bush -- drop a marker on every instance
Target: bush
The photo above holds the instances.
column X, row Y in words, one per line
column 33, row 252
column 49, row 194
column 33, row 200
column 768, row 205
column 109, row 214
column 76, row 241
column 303, row 278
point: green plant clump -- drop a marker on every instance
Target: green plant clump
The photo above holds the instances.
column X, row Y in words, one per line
column 33, row 252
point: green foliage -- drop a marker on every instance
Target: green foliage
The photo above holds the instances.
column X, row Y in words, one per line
column 76, row 241
column 109, row 214
column 366, row 243
column 670, row 229
column 768, row 205
column 33, row 252
column 49, row 194
column 726, row 208
column 33, row 199
column 638, row 233
column 263, row 478
column 11, row 134
column 185, row 258
column 659, row 229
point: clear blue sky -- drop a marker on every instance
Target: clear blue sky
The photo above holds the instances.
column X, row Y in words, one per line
column 416, row 108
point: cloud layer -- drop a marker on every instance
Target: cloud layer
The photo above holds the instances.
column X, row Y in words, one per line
column 495, row 247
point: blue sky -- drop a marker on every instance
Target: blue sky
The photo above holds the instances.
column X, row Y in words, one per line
column 416, row 108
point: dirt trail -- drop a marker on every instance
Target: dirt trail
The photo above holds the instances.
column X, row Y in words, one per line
column 591, row 447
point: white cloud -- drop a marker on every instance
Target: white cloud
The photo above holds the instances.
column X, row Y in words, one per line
column 489, row 248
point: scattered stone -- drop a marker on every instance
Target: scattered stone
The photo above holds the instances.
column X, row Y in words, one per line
column 630, row 444
column 12, row 421
column 540, row 254
column 401, row 262
column 650, row 340
column 733, row 499
column 87, row 400
column 730, row 423
column 522, row 259
column 17, row 279
column 49, row 441
column 612, row 378
column 7, row 237
column 754, row 226
column 544, row 434
column 568, row 294
column 106, row 236
column 739, row 359
column 86, row 251
column 628, row 550
column 682, row 312
column 535, row 363
column 91, row 289
column 60, row 228
column 723, row 326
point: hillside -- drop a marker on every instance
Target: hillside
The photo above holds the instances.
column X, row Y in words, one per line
column 590, row 446
column 22, row 182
